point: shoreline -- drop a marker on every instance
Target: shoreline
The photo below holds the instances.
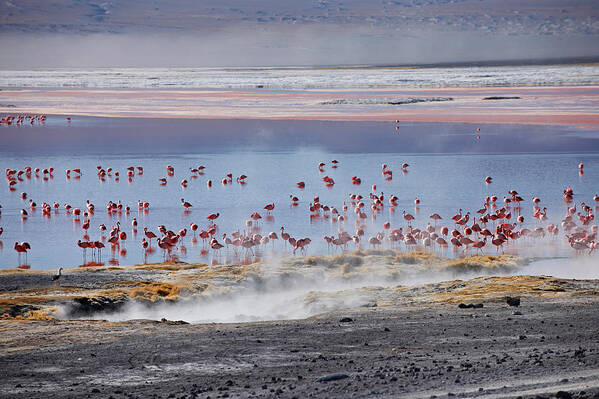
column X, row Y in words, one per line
column 322, row 282
column 561, row 105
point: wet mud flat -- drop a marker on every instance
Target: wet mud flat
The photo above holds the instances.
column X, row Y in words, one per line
column 543, row 347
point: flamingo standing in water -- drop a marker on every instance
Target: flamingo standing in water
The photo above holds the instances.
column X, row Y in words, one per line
column 215, row 245
column 285, row 236
column 269, row 207
column 212, row 217
column 165, row 246
column 145, row 245
column 99, row 245
column 22, row 248
column 498, row 242
column 273, row 236
column 185, row 204
column 408, row 217
column 83, row 245
column 435, row 217
column 149, row 234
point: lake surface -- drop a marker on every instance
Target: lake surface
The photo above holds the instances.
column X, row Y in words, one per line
column 448, row 165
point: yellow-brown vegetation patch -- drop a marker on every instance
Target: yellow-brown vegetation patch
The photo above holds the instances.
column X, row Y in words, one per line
column 375, row 252
column 171, row 267
column 229, row 271
column 153, row 291
column 46, row 313
column 477, row 263
column 495, row 288
column 331, row 260
column 415, row 257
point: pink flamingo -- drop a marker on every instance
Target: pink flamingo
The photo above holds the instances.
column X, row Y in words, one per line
column 185, row 204
column 83, row 245
column 149, row 234
column 22, row 248
column 408, row 217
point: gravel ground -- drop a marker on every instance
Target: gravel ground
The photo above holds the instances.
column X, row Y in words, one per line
column 86, row 279
column 544, row 348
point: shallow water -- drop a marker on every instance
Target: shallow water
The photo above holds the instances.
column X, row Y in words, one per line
column 534, row 160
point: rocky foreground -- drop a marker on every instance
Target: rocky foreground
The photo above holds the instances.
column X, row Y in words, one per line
column 484, row 337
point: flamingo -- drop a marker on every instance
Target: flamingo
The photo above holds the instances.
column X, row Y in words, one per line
column 212, row 217
column 498, row 242
column 457, row 216
column 455, row 242
column 185, row 204
column 85, row 226
column 273, row 236
column 83, row 245
column 149, row 234
column 22, row 248
column 145, row 245
column 285, row 236
column 216, row 245
column 407, row 217
column 441, row 241
column 374, row 241
column 435, row 217
column 182, row 233
column 99, row 245
column 165, row 246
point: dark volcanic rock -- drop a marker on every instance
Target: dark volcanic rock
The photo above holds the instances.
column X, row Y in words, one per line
column 470, row 305
column 19, row 310
column 502, row 98
column 346, row 320
column 563, row 395
column 173, row 322
column 85, row 306
column 333, row 377
column 513, row 301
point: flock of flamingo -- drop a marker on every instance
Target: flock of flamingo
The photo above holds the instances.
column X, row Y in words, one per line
column 498, row 222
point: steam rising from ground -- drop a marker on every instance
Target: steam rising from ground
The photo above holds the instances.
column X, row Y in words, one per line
column 303, row 287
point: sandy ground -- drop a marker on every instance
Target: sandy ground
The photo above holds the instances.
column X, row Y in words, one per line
column 396, row 340
column 533, row 105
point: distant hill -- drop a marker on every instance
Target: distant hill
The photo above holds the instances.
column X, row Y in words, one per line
column 542, row 17
column 166, row 33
